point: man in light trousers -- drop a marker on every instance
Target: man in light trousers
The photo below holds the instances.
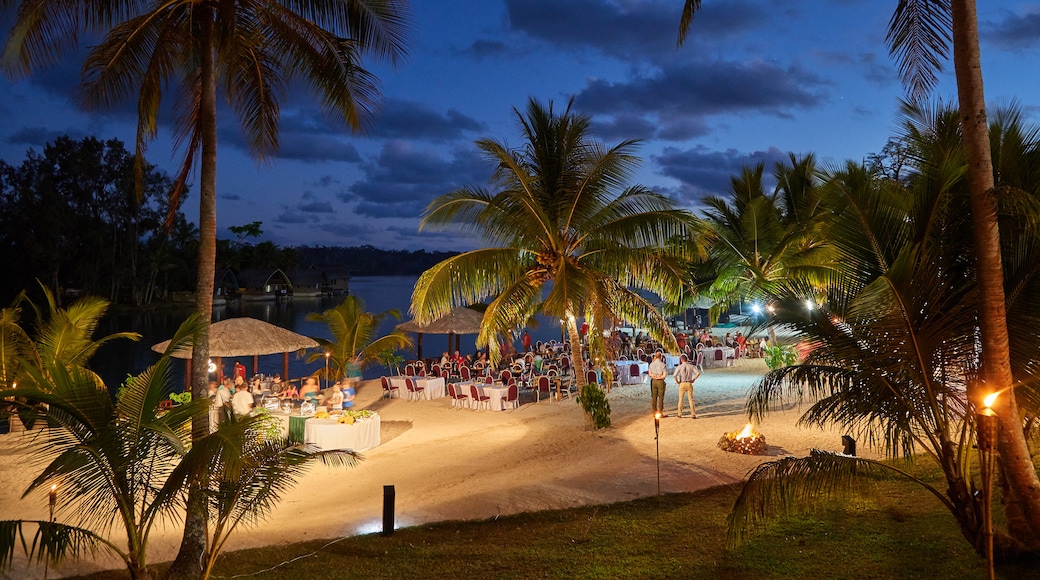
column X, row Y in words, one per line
column 685, row 374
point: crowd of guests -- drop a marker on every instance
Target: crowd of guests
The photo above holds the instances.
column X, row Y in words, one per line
column 234, row 393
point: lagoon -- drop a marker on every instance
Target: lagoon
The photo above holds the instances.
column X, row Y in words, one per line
column 116, row 360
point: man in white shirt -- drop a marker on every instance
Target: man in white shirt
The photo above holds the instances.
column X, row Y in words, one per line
column 658, row 372
column 242, row 402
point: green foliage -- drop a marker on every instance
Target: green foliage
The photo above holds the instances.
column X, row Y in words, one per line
column 101, row 237
column 595, row 404
column 181, row 398
column 354, row 344
column 780, row 355
column 389, row 358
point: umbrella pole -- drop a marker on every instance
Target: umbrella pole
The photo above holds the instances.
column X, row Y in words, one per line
column 418, row 354
column 187, row 375
column 285, row 367
column 220, row 369
column 256, row 363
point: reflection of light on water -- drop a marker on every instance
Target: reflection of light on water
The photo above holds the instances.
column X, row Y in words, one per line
column 376, row 526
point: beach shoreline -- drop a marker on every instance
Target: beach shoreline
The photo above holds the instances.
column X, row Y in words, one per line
column 448, row 464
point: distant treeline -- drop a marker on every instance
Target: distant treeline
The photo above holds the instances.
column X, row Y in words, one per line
column 371, row 261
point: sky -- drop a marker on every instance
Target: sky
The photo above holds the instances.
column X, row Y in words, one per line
column 754, row 82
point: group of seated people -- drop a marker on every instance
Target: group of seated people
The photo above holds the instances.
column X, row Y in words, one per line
column 241, row 397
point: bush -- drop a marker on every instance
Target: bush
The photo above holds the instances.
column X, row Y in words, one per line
column 780, row 355
column 594, row 402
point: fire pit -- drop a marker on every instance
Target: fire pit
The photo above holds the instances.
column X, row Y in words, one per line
column 746, row 441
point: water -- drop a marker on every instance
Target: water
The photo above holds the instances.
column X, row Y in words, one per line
column 117, row 359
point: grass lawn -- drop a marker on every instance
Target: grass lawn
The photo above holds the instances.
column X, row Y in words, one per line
column 894, row 530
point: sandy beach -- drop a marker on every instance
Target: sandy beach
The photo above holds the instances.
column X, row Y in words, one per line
column 449, row 464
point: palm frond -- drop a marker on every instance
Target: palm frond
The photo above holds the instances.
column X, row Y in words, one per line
column 794, row 485
column 919, row 36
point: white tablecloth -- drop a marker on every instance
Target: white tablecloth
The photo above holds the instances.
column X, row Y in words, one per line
column 495, row 392
column 709, row 357
column 433, row 387
column 330, row 434
column 624, row 375
column 671, row 361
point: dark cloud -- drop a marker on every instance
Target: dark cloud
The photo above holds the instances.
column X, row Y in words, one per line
column 1016, row 32
column 677, row 98
column 408, row 119
column 316, row 207
column 40, row 136
column 290, row 216
column 628, row 30
column 481, row 49
column 704, row 172
column 231, row 196
column 403, row 179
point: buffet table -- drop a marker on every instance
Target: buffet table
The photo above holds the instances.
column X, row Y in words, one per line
column 433, row 387
column 329, row 434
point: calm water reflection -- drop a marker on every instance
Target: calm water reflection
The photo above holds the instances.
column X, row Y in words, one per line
column 380, row 293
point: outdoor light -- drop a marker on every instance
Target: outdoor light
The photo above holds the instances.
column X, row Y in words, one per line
column 771, row 309
column 212, row 366
column 986, row 434
column 327, row 354
column 756, row 308
column 809, row 305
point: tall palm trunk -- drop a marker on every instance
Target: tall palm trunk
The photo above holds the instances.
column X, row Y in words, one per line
column 1024, row 502
column 190, row 558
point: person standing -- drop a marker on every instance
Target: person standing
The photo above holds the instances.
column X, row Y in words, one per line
column 526, row 341
column 685, row 374
column 658, row 371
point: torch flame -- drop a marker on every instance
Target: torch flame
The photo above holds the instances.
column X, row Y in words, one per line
column 747, row 433
column 990, row 399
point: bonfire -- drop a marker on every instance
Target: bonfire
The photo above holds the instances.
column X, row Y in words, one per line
column 746, row 441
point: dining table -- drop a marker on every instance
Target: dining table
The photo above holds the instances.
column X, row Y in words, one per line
column 621, row 371
column 710, row 360
column 496, row 392
column 433, row 387
column 327, row 434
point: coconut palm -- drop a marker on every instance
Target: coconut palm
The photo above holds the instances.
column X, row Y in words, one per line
column 897, row 335
column 354, row 345
column 919, row 37
column 126, row 464
column 558, row 212
column 760, row 243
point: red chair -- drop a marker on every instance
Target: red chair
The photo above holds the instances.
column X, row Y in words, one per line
column 543, row 386
column 505, row 376
column 719, row 356
column 512, row 397
column 409, row 370
column 477, row 398
column 436, row 368
column 464, row 373
column 389, row 389
column 414, row 392
column 457, row 397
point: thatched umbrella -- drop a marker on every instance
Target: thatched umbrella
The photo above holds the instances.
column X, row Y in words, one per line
column 247, row 337
column 458, row 321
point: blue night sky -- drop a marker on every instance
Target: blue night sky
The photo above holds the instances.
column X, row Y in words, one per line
column 754, row 81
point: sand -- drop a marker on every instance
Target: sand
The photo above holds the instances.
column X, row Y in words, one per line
column 448, row 464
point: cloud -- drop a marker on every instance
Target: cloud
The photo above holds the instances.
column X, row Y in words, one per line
column 40, row 136
column 400, row 119
column 482, row 49
column 676, row 99
column 230, row 196
column 290, row 216
column 316, row 207
column 403, row 179
column 703, row 172
column 625, row 29
column 1016, row 32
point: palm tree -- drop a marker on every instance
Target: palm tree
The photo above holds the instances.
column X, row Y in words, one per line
column 897, row 335
column 760, row 243
column 354, row 345
column 559, row 213
column 919, row 38
column 253, row 51
column 126, row 464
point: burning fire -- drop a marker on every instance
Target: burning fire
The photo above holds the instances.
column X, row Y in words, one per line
column 746, row 433
column 746, row 441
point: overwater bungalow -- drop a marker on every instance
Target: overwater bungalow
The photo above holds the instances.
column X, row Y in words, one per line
column 257, row 284
column 307, row 282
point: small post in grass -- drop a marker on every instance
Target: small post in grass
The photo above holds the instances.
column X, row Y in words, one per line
column 388, row 510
